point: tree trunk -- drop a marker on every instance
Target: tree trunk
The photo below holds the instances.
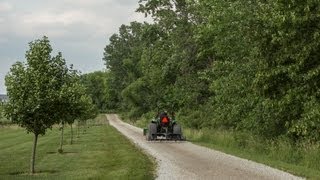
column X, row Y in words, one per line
column 78, row 126
column 71, row 141
column 61, row 138
column 84, row 126
column 33, row 156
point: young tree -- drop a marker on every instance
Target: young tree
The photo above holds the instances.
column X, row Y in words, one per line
column 1, row 111
column 33, row 88
column 75, row 101
column 68, row 97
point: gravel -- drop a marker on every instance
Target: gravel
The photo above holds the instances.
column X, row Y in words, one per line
column 184, row 160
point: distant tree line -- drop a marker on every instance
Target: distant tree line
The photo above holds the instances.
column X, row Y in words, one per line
column 1, row 112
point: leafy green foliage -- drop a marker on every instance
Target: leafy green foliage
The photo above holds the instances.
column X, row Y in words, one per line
column 44, row 91
column 2, row 118
column 33, row 88
column 97, row 86
column 287, row 79
column 240, row 65
column 77, row 104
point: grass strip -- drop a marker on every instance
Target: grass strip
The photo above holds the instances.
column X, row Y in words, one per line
column 99, row 153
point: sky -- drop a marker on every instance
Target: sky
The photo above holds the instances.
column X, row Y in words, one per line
column 80, row 29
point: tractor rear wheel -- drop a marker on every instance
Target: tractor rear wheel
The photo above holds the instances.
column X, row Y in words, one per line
column 152, row 132
column 177, row 131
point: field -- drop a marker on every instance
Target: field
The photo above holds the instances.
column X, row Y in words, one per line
column 100, row 152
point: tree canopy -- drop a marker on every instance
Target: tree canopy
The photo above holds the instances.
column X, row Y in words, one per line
column 44, row 91
column 33, row 86
column 240, row 65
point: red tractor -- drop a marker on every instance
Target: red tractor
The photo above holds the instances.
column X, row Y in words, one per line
column 164, row 127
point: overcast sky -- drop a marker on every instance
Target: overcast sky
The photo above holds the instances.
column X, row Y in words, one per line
column 80, row 29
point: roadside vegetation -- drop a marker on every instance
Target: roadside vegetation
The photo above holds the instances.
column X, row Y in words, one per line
column 3, row 120
column 235, row 65
column 100, row 152
column 246, row 69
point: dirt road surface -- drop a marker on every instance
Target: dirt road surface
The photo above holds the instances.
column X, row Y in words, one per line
column 184, row 160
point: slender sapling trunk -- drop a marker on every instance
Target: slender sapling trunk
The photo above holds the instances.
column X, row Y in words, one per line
column 33, row 156
column 61, row 138
column 78, row 126
column 71, row 141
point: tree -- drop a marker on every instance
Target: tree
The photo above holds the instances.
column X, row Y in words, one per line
column 225, row 37
column 96, row 85
column 240, row 65
column 1, row 111
column 122, row 58
column 89, row 111
column 33, row 88
column 69, row 98
column 75, row 103
column 155, row 66
column 288, row 78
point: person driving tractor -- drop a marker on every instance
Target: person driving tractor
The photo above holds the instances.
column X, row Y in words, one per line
column 164, row 119
column 164, row 127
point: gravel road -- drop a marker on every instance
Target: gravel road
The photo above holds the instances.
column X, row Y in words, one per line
column 184, row 160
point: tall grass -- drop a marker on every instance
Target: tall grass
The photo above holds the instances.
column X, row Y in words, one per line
column 302, row 159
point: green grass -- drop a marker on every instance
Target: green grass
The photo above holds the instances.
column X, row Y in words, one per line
column 302, row 160
column 100, row 153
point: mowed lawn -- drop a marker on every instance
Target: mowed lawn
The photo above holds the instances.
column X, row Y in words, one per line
column 100, row 153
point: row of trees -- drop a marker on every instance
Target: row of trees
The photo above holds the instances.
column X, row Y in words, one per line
column 241, row 65
column 1, row 112
column 44, row 91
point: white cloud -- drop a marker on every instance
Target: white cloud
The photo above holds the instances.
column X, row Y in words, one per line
column 5, row 7
column 65, row 18
column 58, row 21
column 139, row 17
column 3, row 40
column 5, row 67
column 53, row 24
column 86, row 2
column 78, row 28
